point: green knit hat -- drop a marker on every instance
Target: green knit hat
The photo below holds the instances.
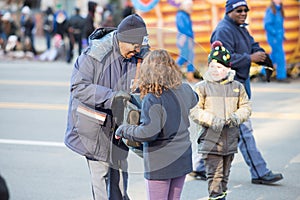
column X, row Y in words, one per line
column 219, row 54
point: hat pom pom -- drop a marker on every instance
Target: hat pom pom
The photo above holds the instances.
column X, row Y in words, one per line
column 216, row 44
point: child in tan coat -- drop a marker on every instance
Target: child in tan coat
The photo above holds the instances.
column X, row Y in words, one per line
column 223, row 105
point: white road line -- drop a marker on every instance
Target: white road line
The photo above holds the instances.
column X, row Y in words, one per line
column 39, row 106
column 32, row 143
column 33, row 83
column 273, row 115
column 275, row 90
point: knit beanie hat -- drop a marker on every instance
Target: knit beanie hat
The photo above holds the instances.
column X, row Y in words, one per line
column 233, row 4
column 219, row 54
column 132, row 29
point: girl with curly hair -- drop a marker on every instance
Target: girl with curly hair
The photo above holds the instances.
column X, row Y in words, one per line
column 164, row 123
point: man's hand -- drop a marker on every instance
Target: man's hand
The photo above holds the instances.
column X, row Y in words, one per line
column 118, row 105
column 268, row 65
column 122, row 94
column 258, row 56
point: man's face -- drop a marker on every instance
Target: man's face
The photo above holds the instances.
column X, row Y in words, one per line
column 128, row 50
column 239, row 15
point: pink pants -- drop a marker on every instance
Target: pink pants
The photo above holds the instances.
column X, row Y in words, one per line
column 168, row 189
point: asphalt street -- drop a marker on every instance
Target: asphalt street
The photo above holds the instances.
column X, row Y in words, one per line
column 37, row 166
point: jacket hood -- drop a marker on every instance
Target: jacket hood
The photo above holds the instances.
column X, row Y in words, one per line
column 100, row 32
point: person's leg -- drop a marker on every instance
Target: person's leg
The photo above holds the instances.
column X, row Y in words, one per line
column 70, row 51
column 278, row 58
column 281, row 65
column 32, row 44
column 190, row 64
column 198, row 167
column 190, row 56
column 198, row 163
column 227, row 160
column 251, row 154
column 214, row 171
column 158, row 189
column 253, row 157
column 189, row 68
column 118, row 176
column 48, row 40
column 176, row 188
column 124, row 179
column 125, row 185
column 114, row 189
column 79, row 41
column 99, row 172
column 180, row 61
column 183, row 55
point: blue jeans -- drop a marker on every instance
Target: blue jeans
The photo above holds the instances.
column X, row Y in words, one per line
column 48, row 39
column 278, row 57
column 186, row 55
column 198, row 163
column 251, row 154
column 249, row 150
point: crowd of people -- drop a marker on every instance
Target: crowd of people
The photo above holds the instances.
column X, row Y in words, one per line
column 17, row 37
column 61, row 30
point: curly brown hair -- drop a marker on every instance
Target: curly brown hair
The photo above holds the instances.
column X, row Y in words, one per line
column 158, row 72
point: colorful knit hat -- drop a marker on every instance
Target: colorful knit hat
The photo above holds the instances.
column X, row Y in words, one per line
column 219, row 54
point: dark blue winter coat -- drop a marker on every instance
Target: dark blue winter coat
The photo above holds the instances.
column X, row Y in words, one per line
column 164, row 133
column 240, row 44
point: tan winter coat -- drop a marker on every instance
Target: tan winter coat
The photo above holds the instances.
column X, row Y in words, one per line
column 219, row 99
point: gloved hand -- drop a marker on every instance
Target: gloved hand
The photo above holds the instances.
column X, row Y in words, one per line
column 268, row 65
column 269, row 72
column 118, row 105
column 217, row 124
column 122, row 94
column 233, row 121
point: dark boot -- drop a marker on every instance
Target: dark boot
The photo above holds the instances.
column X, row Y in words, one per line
column 268, row 178
column 199, row 175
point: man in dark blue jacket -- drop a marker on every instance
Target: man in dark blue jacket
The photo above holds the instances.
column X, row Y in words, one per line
column 104, row 71
column 232, row 32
